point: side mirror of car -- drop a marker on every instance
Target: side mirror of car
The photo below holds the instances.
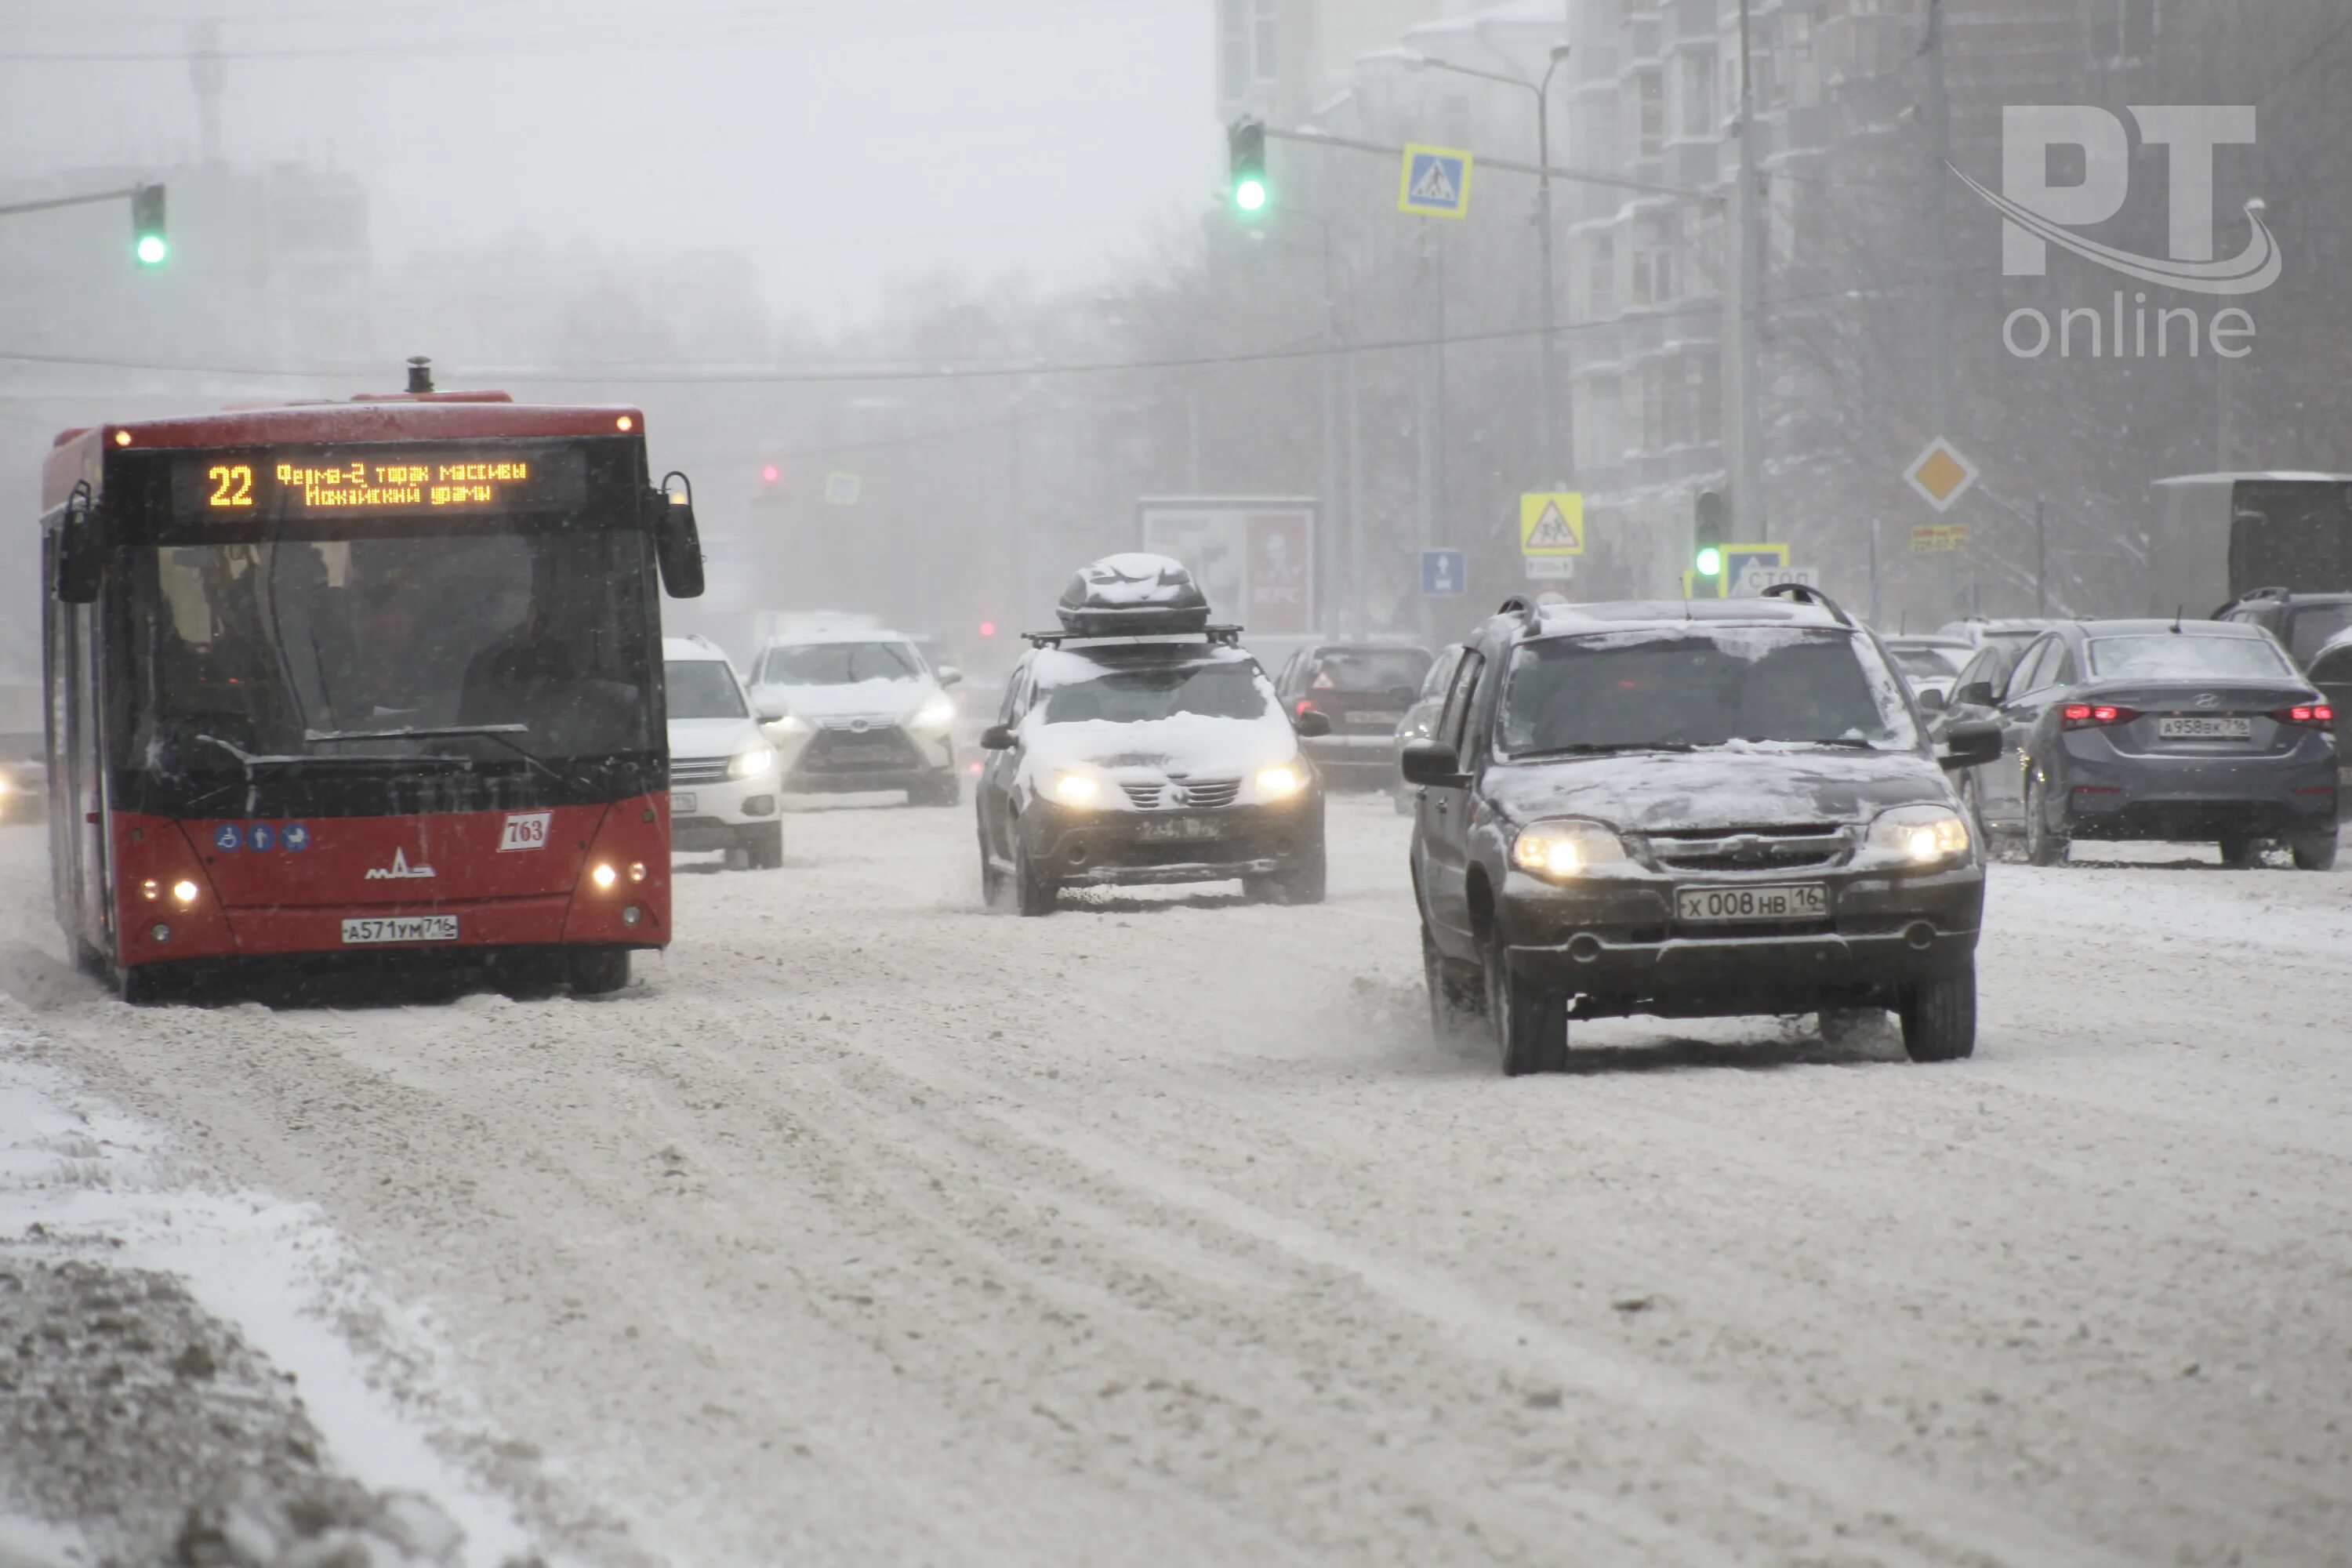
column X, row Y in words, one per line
column 1970, row 744
column 1975, row 694
column 1433, row 765
column 772, row 712
column 1312, row 724
column 948, row 675
column 996, row 738
column 1932, row 700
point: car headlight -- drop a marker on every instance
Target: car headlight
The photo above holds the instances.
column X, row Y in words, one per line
column 1075, row 789
column 1565, row 847
column 938, row 713
column 1919, row 834
column 758, row 760
column 1282, row 780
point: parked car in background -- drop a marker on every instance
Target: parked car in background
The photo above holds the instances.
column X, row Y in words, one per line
column 2302, row 623
column 2167, row 730
column 860, row 710
column 1928, row 663
column 1364, row 688
column 725, row 777
column 1421, row 721
column 1987, row 631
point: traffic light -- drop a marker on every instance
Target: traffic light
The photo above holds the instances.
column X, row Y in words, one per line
column 1246, row 140
column 770, row 473
column 1706, row 544
column 148, row 241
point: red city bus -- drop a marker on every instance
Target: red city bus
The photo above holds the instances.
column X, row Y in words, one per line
column 381, row 676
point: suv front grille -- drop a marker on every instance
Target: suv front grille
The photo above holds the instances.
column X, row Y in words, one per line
column 1210, row 795
column 1753, row 849
column 696, row 770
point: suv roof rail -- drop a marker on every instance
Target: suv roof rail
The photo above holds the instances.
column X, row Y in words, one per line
column 1215, row 635
column 2253, row 594
column 1805, row 593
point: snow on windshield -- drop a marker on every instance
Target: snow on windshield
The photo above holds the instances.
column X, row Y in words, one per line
column 1692, row 688
column 840, row 664
column 1141, row 696
column 2157, row 654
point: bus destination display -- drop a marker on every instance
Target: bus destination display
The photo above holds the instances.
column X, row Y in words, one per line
column 341, row 484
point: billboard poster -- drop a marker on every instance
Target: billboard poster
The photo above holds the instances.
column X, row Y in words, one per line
column 1254, row 558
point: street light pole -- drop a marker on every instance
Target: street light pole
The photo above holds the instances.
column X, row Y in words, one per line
column 1557, row 436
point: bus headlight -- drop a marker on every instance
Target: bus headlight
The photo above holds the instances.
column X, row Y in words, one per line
column 183, row 892
column 1563, row 848
column 603, row 876
column 744, row 765
column 1919, row 836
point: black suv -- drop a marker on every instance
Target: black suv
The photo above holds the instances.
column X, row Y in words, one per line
column 1691, row 810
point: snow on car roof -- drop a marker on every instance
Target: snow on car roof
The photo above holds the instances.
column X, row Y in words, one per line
column 833, row 634
column 2185, row 627
column 1061, row 665
column 1620, row 614
column 686, row 649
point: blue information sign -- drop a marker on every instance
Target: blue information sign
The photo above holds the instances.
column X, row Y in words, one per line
column 1444, row 573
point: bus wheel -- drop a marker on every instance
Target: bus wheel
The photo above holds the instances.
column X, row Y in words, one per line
column 597, row 971
column 148, row 985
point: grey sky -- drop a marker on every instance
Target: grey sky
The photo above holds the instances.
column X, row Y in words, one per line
column 849, row 142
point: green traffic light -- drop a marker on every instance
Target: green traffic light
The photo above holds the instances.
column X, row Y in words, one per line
column 1710, row 561
column 1250, row 195
column 152, row 250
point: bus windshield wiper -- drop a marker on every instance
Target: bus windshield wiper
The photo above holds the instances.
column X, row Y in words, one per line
column 504, row 734
column 252, row 760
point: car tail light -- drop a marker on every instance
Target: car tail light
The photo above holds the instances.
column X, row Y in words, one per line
column 2095, row 715
column 2313, row 715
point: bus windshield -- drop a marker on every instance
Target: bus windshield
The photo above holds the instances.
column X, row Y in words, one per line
column 538, row 641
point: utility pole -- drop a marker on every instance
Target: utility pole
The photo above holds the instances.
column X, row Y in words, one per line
column 1743, row 303
column 2041, row 558
column 207, row 74
column 1939, row 111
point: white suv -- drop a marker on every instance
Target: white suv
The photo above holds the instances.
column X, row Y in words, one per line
column 725, row 777
column 862, row 710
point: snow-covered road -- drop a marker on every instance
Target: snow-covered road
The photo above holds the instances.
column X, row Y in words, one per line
column 869, row 1228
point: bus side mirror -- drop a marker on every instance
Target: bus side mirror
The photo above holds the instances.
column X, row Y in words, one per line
column 80, row 553
column 677, row 544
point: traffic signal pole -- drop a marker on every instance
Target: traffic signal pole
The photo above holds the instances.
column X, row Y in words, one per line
column 146, row 216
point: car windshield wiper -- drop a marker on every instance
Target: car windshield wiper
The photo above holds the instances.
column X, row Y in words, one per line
column 504, row 734
column 1605, row 748
column 1850, row 743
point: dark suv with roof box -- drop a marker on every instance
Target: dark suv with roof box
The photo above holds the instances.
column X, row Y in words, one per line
column 1691, row 809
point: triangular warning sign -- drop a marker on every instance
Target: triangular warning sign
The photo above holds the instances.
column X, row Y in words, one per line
column 1435, row 185
column 1551, row 531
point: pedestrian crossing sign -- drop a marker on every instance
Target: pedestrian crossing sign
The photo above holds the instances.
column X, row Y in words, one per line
column 1434, row 182
column 1552, row 524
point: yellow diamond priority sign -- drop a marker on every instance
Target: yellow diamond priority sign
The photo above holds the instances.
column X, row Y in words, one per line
column 1551, row 523
column 1940, row 474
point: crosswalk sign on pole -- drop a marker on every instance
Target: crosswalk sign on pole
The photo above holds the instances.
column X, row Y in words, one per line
column 1434, row 182
column 1551, row 522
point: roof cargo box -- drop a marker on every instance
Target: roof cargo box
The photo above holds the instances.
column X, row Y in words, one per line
column 1133, row 596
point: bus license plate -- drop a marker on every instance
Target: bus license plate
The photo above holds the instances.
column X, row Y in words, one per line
column 369, row 930
column 1165, row 829
column 2192, row 726
column 1751, row 905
